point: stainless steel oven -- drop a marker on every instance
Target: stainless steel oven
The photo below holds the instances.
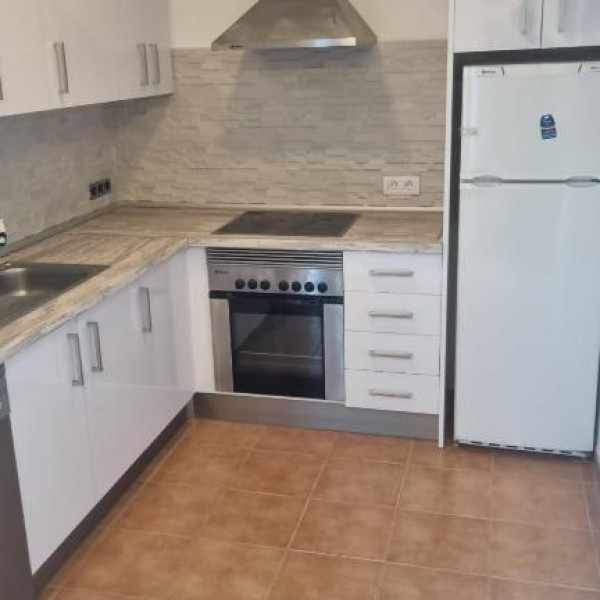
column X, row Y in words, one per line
column 278, row 322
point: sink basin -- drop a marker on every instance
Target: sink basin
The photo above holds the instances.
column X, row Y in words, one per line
column 26, row 286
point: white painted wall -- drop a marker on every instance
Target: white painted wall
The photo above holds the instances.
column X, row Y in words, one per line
column 196, row 23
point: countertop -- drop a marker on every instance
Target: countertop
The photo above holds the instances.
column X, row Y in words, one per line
column 131, row 240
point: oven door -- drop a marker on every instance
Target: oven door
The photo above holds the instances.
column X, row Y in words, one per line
column 278, row 345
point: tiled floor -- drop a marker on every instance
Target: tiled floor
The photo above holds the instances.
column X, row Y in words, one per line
column 244, row 512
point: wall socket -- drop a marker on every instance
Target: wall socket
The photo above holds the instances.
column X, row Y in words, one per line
column 401, row 185
column 100, row 188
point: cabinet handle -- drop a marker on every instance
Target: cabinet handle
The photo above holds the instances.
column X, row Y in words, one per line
column 156, row 59
column 95, row 347
column 525, row 17
column 1, row 90
column 143, row 58
column 75, row 360
column 390, row 394
column 61, row 63
column 391, row 354
column 562, row 16
column 374, row 314
column 391, row 273
column 146, row 309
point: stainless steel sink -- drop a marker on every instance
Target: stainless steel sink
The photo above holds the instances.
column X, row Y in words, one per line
column 26, row 286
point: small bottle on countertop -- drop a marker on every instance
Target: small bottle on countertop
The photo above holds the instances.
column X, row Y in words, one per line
column 3, row 234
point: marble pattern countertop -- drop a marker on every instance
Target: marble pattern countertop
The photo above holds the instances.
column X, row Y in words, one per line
column 130, row 240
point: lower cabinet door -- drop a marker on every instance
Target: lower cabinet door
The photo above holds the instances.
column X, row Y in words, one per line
column 51, row 440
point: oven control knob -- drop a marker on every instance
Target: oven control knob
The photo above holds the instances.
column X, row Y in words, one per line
column 265, row 285
column 297, row 286
column 309, row 287
column 252, row 284
column 240, row 284
column 323, row 287
column 284, row 286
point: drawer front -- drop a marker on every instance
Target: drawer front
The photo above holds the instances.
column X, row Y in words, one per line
column 391, row 313
column 393, row 273
column 391, row 353
column 387, row 391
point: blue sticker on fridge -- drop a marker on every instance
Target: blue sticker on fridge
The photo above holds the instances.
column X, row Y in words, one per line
column 548, row 127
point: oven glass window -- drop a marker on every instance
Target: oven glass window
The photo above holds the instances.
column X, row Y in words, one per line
column 277, row 347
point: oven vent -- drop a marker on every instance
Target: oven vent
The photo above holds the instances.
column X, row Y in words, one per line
column 276, row 258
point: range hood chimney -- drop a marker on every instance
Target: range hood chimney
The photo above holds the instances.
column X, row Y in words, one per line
column 284, row 24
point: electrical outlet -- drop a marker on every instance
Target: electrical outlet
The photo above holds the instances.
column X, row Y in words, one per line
column 401, row 186
column 100, row 188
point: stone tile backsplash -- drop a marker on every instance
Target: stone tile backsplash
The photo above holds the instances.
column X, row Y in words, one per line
column 298, row 127
column 281, row 128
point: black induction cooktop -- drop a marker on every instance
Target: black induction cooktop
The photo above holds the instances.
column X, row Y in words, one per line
column 288, row 223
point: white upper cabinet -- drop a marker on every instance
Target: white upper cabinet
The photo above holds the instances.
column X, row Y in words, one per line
column 571, row 23
column 497, row 24
column 23, row 73
column 481, row 25
column 60, row 53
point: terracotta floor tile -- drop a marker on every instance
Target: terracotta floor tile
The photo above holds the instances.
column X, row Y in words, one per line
column 371, row 447
column 503, row 589
column 428, row 454
column 543, row 555
column 153, row 466
column 169, row 509
column 278, row 473
column 206, row 466
column 310, row 441
column 318, row 577
column 592, row 493
column 215, row 570
column 349, row 530
column 361, row 482
column 557, row 502
column 129, row 562
column 226, row 433
column 441, row 541
column 48, row 593
column 258, row 519
column 122, row 503
column 88, row 595
column 445, row 491
column 534, row 465
column 411, row 583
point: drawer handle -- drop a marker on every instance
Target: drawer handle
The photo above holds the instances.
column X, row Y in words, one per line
column 146, row 309
column 390, row 394
column 143, row 59
column 391, row 354
column 97, row 365
column 402, row 314
column 75, row 359
column 391, row 273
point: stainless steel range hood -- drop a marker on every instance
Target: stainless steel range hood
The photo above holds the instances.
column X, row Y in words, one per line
column 283, row 24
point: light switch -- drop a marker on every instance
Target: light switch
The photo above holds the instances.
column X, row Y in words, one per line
column 401, row 186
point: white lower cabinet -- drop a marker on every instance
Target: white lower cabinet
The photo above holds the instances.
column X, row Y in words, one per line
column 88, row 399
column 50, row 428
column 392, row 331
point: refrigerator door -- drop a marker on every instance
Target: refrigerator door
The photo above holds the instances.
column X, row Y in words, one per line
column 531, row 122
column 528, row 316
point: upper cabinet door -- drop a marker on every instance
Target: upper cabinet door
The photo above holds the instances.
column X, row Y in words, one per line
column 23, row 74
column 571, row 23
column 498, row 24
column 80, row 51
column 156, row 13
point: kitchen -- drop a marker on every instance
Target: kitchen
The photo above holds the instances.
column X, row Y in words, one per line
column 252, row 347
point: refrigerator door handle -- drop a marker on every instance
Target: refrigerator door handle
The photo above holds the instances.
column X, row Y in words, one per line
column 485, row 181
column 583, row 182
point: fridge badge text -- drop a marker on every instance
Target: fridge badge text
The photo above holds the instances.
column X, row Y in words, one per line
column 548, row 127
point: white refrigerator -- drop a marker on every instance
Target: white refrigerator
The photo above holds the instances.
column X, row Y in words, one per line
column 528, row 289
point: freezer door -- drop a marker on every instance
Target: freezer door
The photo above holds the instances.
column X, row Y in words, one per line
column 528, row 316
column 531, row 122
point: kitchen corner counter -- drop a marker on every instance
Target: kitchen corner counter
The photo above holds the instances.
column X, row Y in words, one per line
column 130, row 240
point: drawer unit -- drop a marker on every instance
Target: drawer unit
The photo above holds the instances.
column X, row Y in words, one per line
column 391, row 313
column 392, row 353
column 393, row 273
column 392, row 391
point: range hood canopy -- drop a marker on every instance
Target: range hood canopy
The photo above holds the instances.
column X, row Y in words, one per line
column 284, row 24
